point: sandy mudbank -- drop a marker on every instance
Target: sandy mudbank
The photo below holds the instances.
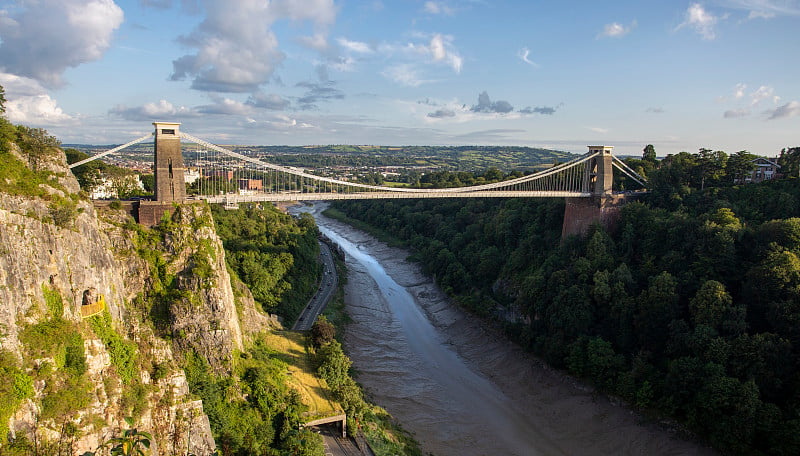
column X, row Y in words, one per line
column 489, row 397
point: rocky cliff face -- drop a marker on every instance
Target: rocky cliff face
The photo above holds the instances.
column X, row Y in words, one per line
column 167, row 293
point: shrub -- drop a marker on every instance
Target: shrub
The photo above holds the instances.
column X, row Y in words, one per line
column 322, row 332
column 123, row 352
column 15, row 386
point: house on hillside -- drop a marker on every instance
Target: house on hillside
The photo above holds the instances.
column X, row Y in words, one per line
column 765, row 169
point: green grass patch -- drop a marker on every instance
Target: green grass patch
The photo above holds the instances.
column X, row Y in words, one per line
column 385, row 436
column 289, row 347
column 54, row 302
column 15, row 386
column 124, row 354
column 48, row 338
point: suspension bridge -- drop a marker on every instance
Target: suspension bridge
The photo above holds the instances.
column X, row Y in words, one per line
column 223, row 176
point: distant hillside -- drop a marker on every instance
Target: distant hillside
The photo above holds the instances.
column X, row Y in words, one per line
column 454, row 158
column 451, row 158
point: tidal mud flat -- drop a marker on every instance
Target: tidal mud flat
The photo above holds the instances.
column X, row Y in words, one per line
column 460, row 388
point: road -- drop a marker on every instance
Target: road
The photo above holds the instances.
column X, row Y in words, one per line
column 326, row 290
column 335, row 445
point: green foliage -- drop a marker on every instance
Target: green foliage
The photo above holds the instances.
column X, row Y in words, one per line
column 63, row 212
column 15, row 386
column 132, row 442
column 2, row 100
column 54, row 302
column 322, row 332
column 263, row 422
column 123, row 353
column 48, row 338
column 273, row 254
column 36, row 145
column 649, row 153
column 691, row 308
column 334, row 365
column 27, row 179
column 740, row 166
column 63, row 397
column 384, row 435
column 303, row 443
column 91, row 175
column 790, row 161
column 334, row 368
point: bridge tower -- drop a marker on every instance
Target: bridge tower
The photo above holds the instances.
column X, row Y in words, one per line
column 170, row 188
column 168, row 163
column 600, row 176
column 603, row 206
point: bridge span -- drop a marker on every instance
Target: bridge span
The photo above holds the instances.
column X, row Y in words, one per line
column 228, row 177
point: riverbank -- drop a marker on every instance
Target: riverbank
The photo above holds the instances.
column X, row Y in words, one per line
column 555, row 413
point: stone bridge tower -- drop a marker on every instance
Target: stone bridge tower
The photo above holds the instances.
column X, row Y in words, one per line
column 168, row 163
column 603, row 206
column 170, row 187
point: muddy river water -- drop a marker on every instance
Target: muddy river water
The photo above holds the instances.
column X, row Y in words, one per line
column 459, row 388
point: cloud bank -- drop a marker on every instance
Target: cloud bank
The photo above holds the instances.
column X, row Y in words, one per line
column 45, row 37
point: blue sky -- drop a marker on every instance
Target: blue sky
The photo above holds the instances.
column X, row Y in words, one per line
column 721, row 74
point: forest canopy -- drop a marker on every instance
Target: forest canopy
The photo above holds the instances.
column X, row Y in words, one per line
column 689, row 309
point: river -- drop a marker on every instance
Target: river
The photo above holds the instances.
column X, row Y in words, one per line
column 462, row 389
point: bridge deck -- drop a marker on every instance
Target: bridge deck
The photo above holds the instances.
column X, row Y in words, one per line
column 289, row 196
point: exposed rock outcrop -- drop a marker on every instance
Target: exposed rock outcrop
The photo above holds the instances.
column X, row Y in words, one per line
column 82, row 256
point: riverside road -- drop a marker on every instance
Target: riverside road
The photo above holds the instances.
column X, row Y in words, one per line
column 327, row 288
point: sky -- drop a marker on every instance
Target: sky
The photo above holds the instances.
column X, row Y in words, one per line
column 719, row 74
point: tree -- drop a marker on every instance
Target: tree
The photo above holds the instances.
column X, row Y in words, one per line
column 658, row 306
column 739, row 167
column 790, row 161
column 712, row 306
column 322, row 332
column 333, row 365
column 649, row 153
column 710, row 166
column 132, row 443
column 2, row 100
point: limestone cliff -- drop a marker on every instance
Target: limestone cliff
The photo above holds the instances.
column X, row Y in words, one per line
column 166, row 293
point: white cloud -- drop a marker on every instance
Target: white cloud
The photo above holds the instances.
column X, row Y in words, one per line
column 405, row 74
column 738, row 91
column 410, row 57
column 524, row 54
column 27, row 102
column 45, row 37
column 616, row 30
column 442, row 51
column 790, row 109
column 765, row 9
column 763, row 93
column 151, row 111
column 355, row 46
column 236, row 49
column 600, row 130
column 437, row 8
column 38, row 110
column 279, row 123
column 700, row 20
column 226, row 106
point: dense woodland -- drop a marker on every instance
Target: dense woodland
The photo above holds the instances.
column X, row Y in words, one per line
column 690, row 308
column 274, row 255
